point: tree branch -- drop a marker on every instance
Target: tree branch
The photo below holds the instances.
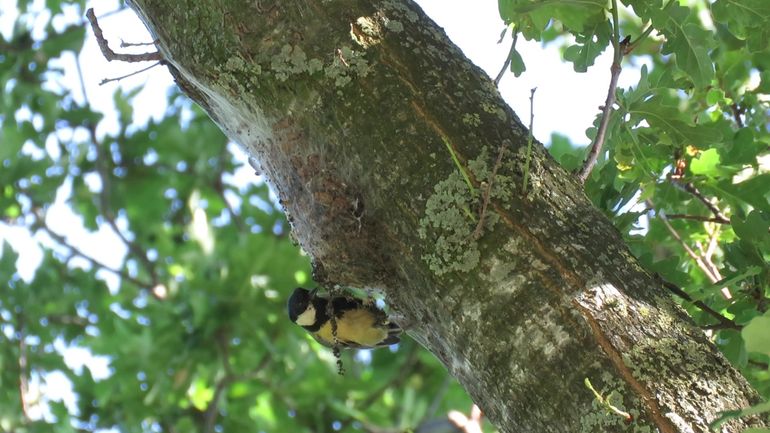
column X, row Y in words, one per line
column 596, row 146
column 708, row 252
column 212, row 410
column 437, row 399
column 713, row 277
column 109, row 80
column 723, row 322
column 507, row 59
column 690, row 187
column 646, row 32
column 395, row 381
column 23, row 366
column 63, row 319
column 122, row 274
column 737, row 112
column 107, row 51
column 673, row 216
column 124, row 44
column 104, row 197
column 403, row 373
column 633, row 44
column 219, row 187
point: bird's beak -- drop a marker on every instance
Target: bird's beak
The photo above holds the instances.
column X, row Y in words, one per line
column 313, row 292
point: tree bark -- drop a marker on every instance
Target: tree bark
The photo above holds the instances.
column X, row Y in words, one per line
column 382, row 141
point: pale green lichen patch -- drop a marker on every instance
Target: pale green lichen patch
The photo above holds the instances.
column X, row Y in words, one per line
column 499, row 270
column 401, row 8
column 543, row 332
column 503, row 186
column 451, row 216
column 493, row 109
column 229, row 73
column 394, row 26
column 235, row 63
column 290, row 60
column 472, row 119
column 349, row 63
column 449, row 223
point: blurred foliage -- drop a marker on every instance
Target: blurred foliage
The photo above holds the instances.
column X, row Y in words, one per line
column 194, row 328
column 686, row 172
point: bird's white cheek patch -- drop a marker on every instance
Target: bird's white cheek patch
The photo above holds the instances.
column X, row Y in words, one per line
column 307, row 318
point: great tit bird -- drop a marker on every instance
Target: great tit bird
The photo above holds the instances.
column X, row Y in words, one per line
column 360, row 325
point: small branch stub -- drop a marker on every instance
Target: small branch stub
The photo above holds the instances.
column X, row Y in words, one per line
column 529, row 139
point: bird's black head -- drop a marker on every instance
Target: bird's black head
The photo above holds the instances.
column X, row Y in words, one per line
column 299, row 301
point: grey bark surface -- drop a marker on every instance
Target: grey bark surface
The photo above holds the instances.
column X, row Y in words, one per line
column 380, row 139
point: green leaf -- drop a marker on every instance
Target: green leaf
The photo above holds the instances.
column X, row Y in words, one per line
column 645, row 8
column 689, row 41
column 756, row 334
column 589, row 44
column 764, row 83
column 707, row 163
column 635, row 95
column 661, row 113
column 7, row 260
column 754, row 228
column 506, row 10
column 200, row 394
column 13, row 136
column 744, row 18
column 754, row 191
column 263, row 410
column 517, row 63
column 70, row 39
column 579, row 15
column 569, row 156
column 123, row 103
column 743, row 148
column 731, row 344
column 714, row 96
column 736, row 277
column 533, row 17
column 743, row 255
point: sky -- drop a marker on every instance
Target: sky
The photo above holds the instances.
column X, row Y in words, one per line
column 565, row 102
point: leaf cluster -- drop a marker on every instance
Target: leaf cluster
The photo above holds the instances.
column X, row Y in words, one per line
column 685, row 173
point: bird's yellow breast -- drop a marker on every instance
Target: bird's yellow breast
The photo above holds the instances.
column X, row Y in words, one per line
column 355, row 326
